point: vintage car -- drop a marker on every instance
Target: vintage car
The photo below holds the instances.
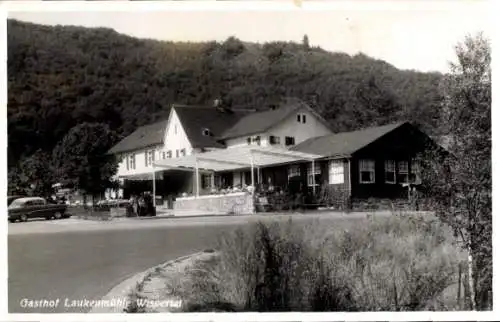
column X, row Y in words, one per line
column 23, row 209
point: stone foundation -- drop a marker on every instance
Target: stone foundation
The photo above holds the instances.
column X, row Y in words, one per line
column 234, row 203
column 376, row 204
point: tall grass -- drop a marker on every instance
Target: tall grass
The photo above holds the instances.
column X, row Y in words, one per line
column 373, row 264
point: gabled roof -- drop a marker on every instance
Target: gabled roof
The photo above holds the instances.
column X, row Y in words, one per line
column 195, row 119
column 345, row 144
column 262, row 121
column 144, row 136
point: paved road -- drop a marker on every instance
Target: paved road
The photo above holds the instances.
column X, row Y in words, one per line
column 81, row 260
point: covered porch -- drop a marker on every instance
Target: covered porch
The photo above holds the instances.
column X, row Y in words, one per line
column 227, row 180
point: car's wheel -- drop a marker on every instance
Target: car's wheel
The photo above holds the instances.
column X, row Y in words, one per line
column 24, row 218
column 12, row 220
column 58, row 215
column 48, row 218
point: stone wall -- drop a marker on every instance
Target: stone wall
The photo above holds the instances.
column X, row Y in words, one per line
column 375, row 204
column 234, row 203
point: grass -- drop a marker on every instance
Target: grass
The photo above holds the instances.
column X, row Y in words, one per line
column 398, row 263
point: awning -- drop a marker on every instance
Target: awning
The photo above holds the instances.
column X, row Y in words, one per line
column 236, row 158
column 144, row 176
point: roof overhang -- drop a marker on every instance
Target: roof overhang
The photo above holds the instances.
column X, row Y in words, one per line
column 237, row 158
column 145, row 176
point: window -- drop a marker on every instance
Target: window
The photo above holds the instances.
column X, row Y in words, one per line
column 336, row 172
column 416, row 173
column 175, row 129
column 207, row 132
column 312, row 179
column 183, row 152
column 293, row 171
column 403, row 171
column 206, row 181
column 289, row 140
column 298, row 118
column 163, row 155
column 150, row 157
column 257, row 140
column 303, row 118
column 274, row 139
column 131, row 161
column 169, row 154
column 176, row 153
column 390, row 171
column 249, row 141
column 366, row 171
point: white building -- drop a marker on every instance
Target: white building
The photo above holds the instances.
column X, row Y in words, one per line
column 197, row 129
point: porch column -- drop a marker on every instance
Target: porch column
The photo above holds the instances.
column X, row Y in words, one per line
column 212, row 180
column 154, row 187
column 252, row 167
column 313, row 178
column 197, row 179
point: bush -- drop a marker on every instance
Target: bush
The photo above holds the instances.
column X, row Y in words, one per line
column 364, row 265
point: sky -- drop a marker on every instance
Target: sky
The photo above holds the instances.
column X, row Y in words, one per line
column 418, row 35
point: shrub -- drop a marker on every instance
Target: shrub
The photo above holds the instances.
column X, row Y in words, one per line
column 374, row 264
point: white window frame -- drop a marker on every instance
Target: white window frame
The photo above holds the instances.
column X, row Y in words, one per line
column 131, row 160
column 404, row 170
column 291, row 138
column 293, row 171
column 390, row 166
column 150, row 157
column 367, row 165
column 310, row 174
column 336, row 172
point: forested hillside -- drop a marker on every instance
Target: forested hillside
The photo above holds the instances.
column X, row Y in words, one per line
column 59, row 77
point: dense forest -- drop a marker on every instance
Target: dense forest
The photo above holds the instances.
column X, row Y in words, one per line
column 64, row 76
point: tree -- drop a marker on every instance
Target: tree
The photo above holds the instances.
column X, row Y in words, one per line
column 33, row 176
column 461, row 183
column 81, row 158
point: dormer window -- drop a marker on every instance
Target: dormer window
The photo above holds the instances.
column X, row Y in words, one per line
column 207, row 132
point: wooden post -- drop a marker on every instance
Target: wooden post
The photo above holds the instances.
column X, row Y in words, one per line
column 314, row 178
column 197, row 179
column 154, row 187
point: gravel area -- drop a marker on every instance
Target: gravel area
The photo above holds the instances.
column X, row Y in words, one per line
column 156, row 293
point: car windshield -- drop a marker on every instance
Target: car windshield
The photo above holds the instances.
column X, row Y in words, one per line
column 18, row 203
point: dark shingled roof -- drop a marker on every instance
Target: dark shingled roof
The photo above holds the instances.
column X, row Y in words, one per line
column 261, row 121
column 345, row 143
column 144, row 136
column 195, row 119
